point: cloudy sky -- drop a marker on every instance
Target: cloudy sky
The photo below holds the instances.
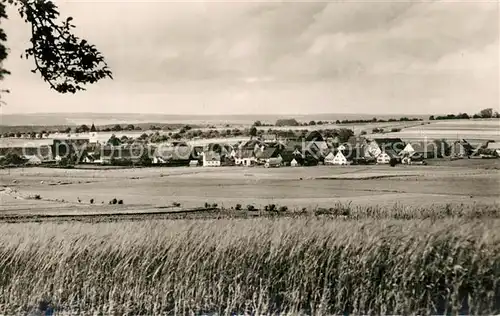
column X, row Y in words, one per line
column 204, row 57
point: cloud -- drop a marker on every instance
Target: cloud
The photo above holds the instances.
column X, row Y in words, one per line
column 351, row 53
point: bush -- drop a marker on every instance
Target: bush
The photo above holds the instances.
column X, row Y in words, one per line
column 251, row 208
column 120, row 201
column 176, row 204
column 113, row 201
column 207, row 205
column 395, row 130
column 237, row 207
column 91, row 201
column 214, row 205
column 270, row 208
column 283, row 209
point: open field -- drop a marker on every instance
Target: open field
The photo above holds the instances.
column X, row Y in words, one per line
column 48, row 119
column 475, row 131
column 260, row 266
column 448, row 182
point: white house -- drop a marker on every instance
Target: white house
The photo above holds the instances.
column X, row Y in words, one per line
column 211, row 159
column 273, row 162
column 329, row 159
column 385, row 157
column 158, row 160
column 494, row 146
column 408, row 150
column 33, row 160
column 339, row 159
column 193, row 163
column 87, row 159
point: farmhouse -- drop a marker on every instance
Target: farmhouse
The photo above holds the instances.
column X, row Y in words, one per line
column 378, row 145
column 461, row 149
column 158, row 160
column 432, row 149
column 289, row 155
column 65, row 147
column 245, row 157
column 270, row 157
column 329, row 159
column 494, row 147
column 121, row 155
column 316, row 138
column 386, row 156
column 306, row 153
column 339, row 159
column 33, row 159
column 21, row 147
column 253, row 144
column 193, row 163
column 356, row 148
column 173, row 155
column 211, row 159
column 88, row 159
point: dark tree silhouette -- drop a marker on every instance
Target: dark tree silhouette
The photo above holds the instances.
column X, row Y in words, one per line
column 63, row 60
column 253, row 132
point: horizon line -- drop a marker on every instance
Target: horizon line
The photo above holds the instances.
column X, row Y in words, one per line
column 236, row 114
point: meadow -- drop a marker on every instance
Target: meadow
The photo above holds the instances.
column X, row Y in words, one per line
column 305, row 265
column 468, row 182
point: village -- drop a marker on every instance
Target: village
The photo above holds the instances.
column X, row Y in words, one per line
column 276, row 149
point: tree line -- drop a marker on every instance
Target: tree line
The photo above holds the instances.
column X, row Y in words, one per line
column 485, row 113
column 294, row 122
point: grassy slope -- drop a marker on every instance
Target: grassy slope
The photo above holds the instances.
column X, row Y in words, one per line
column 303, row 265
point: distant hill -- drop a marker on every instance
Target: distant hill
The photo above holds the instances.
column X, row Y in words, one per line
column 72, row 119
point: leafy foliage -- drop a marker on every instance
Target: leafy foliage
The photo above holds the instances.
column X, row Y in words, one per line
column 66, row 62
column 12, row 159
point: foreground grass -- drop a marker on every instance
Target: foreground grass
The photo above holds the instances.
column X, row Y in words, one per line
column 271, row 266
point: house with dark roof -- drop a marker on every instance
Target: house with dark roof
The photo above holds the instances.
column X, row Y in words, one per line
column 289, row 155
column 252, row 144
column 318, row 139
column 43, row 152
column 394, row 144
column 269, row 157
column 356, row 149
column 179, row 155
column 461, row 149
column 305, row 153
column 425, row 149
column 65, row 147
column 386, row 156
column 494, row 146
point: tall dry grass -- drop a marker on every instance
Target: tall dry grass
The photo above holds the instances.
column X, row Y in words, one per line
column 271, row 266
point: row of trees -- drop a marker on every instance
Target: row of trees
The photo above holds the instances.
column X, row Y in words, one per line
column 294, row 122
column 342, row 134
column 485, row 113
